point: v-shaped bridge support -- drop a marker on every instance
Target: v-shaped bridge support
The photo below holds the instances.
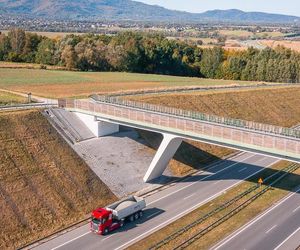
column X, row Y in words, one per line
column 164, row 154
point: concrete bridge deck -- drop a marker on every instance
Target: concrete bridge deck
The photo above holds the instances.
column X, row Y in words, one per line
column 176, row 125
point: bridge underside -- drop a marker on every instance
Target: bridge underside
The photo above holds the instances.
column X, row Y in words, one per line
column 101, row 126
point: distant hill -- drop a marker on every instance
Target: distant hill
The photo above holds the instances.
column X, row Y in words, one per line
column 129, row 10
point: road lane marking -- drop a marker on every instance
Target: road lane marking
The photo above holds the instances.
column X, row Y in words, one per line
column 108, row 237
column 276, row 248
column 152, row 215
column 271, row 229
column 185, row 198
column 204, row 178
column 70, row 241
column 225, row 241
column 217, row 182
column 186, row 211
column 296, row 209
column 242, row 169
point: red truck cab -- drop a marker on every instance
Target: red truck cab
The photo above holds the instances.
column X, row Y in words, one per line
column 114, row 215
column 103, row 222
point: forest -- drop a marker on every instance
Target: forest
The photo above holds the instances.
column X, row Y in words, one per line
column 150, row 53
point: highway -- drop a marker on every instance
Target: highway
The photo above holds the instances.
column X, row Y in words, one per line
column 168, row 205
column 277, row 228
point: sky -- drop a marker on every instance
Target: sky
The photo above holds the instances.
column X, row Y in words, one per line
column 290, row 7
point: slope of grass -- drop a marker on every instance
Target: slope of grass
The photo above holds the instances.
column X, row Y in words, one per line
column 278, row 106
column 51, row 83
column 8, row 99
column 272, row 106
column 44, row 185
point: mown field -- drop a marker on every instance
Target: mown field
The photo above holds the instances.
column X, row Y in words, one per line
column 8, row 99
column 44, row 185
column 293, row 45
column 54, row 84
column 271, row 106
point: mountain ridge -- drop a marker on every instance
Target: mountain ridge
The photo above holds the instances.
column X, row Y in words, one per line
column 130, row 10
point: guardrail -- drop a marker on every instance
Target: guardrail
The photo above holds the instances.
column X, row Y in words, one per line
column 238, row 123
column 27, row 106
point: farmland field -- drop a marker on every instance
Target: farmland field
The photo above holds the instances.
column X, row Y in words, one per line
column 51, row 34
column 247, row 34
column 294, row 45
column 44, row 185
column 51, row 83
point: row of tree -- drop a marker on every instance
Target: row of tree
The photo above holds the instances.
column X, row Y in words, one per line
column 150, row 53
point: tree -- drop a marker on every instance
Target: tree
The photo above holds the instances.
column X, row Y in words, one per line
column 31, row 46
column 4, row 47
column 69, row 57
column 45, row 52
column 17, row 40
column 211, row 62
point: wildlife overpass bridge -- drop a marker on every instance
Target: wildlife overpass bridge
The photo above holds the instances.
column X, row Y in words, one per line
column 104, row 114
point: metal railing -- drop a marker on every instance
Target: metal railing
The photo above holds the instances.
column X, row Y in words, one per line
column 27, row 106
column 238, row 123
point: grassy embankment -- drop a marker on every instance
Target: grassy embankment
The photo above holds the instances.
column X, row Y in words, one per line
column 271, row 106
column 44, row 185
column 9, row 99
column 54, row 84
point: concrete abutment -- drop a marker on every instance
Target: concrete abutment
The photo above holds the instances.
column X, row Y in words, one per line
column 98, row 128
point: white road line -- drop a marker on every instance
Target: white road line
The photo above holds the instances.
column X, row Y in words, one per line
column 216, row 182
column 185, row 198
column 276, row 248
column 271, row 229
column 108, row 237
column 185, row 212
column 296, row 209
column 225, row 241
column 243, row 169
column 152, row 215
column 204, row 178
column 70, row 241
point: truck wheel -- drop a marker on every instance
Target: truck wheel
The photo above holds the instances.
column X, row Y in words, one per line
column 106, row 231
column 131, row 218
column 136, row 216
column 141, row 214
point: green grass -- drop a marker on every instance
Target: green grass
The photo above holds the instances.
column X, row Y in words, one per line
column 56, row 83
column 33, row 76
column 7, row 99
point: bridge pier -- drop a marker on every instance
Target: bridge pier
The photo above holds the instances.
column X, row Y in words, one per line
column 164, row 154
column 98, row 128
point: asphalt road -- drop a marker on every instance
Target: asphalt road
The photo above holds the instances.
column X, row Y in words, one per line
column 277, row 228
column 168, row 205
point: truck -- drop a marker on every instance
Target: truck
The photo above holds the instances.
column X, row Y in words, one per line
column 113, row 216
